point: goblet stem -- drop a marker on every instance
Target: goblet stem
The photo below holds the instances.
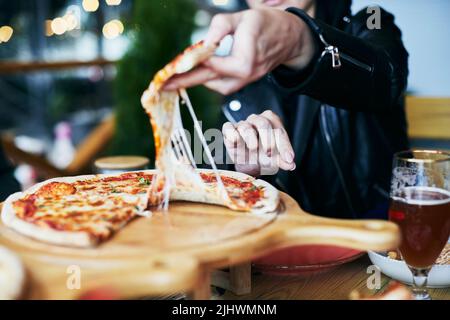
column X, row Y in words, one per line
column 420, row 278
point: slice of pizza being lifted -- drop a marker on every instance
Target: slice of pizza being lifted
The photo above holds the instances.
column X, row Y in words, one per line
column 163, row 110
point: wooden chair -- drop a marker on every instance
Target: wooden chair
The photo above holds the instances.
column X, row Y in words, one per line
column 86, row 151
column 85, row 155
column 428, row 118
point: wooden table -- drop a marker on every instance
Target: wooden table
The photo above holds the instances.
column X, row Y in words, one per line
column 178, row 250
column 332, row 285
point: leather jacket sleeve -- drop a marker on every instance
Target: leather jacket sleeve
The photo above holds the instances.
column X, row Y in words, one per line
column 8, row 183
column 357, row 69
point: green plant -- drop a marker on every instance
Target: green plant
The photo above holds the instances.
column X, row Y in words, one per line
column 160, row 30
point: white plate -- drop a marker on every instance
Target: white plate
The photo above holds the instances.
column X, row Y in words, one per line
column 12, row 275
column 439, row 276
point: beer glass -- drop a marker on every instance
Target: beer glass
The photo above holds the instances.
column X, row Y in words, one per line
column 420, row 205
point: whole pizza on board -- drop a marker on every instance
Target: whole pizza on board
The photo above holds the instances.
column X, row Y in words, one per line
column 84, row 211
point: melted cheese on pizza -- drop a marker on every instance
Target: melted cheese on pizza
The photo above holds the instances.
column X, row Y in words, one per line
column 98, row 206
column 102, row 205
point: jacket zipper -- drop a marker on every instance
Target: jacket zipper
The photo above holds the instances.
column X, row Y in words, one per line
column 357, row 63
column 337, row 55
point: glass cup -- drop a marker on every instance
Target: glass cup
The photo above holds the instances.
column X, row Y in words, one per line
column 120, row 164
column 420, row 205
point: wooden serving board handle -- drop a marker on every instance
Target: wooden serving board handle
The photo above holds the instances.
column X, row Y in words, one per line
column 356, row 234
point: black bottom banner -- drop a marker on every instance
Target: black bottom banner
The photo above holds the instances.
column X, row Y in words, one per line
column 216, row 309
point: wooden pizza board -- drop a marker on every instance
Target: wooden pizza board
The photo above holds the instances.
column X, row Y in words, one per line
column 175, row 251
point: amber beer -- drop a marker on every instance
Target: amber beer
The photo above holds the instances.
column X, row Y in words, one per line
column 423, row 215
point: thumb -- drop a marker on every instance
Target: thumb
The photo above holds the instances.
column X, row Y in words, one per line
column 221, row 26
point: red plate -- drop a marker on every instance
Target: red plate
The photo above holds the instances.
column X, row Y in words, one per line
column 305, row 260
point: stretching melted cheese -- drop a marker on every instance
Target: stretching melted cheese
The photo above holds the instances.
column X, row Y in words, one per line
column 163, row 109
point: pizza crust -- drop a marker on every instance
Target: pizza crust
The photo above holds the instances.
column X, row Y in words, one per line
column 267, row 205
column 63, row 238
column 192, row 57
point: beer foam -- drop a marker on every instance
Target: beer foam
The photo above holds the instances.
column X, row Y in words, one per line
column 423, row 202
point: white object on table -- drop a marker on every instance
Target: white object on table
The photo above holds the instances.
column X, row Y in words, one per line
column 12, row 275
column 439, row 276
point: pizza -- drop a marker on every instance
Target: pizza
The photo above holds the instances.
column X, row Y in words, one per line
column 163, row 109
column 85, row 211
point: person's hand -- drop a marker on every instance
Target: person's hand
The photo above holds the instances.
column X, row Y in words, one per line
column 259, row 145
column 263, row 40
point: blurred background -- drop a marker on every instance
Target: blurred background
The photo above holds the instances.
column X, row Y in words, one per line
column 72, row 73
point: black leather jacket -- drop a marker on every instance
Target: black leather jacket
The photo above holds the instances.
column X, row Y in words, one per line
column 345, row 122
column 8, row 183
